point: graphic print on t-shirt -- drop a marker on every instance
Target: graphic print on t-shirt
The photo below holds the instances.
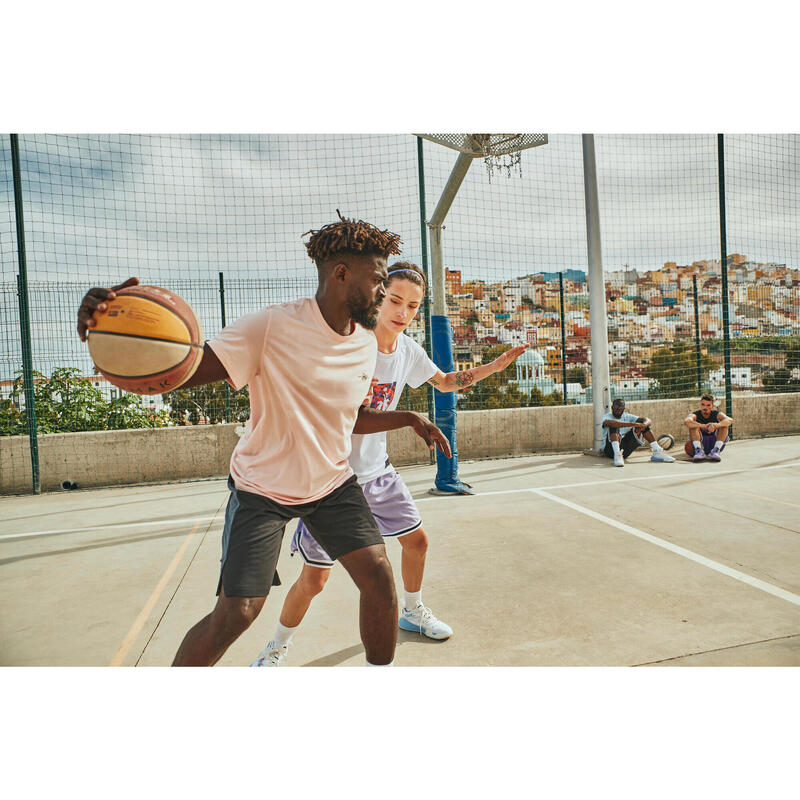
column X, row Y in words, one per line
column 382, row 396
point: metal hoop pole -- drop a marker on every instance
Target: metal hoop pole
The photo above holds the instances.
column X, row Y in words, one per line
column 597, row 294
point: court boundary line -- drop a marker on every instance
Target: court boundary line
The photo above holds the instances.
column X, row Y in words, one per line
column 601, row 482
column 138, row 624
column 178, row 585
column 110, row 526
column 604, row 482
column 742, row 577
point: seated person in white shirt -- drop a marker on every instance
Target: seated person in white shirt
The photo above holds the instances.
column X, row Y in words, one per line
column 626, row 432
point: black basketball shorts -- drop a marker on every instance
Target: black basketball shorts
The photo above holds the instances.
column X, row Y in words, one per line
column 254, row 525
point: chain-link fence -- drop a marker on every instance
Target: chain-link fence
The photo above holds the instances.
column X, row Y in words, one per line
column 219, row 219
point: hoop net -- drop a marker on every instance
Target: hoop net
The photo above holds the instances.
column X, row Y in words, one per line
column 499, row 151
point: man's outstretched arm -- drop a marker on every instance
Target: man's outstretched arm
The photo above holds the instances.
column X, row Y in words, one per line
column 370, row 420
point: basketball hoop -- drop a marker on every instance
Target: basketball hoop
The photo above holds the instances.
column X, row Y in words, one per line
column 499, row 151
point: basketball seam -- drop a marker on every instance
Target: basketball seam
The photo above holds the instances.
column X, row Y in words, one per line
column 177, row 311
column 147, row 338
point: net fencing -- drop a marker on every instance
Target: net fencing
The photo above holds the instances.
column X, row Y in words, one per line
column 762, row 178
column 660, row 206
column 179, row 210
column 504, row 243
column 659, row 201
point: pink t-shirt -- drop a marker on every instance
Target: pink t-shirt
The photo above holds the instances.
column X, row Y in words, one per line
column 306, row 385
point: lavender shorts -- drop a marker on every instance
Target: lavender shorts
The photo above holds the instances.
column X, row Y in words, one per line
column 392, row 506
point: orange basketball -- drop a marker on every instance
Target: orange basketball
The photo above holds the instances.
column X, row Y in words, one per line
column 147, row 341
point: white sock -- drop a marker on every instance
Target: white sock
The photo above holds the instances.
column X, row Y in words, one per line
column 390, row 664
column 615, row 448
column 283, row 635
column 654, row 446
column 413, row 599
column 697, row 446
column 718, row 445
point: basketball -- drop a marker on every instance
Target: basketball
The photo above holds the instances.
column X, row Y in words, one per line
column 688, row 448
column 147, row 341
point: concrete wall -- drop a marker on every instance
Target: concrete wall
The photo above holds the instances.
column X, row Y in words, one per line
column 110, row 458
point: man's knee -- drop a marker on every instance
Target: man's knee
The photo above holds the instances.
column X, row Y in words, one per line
column 369, row 567
column 234, row 615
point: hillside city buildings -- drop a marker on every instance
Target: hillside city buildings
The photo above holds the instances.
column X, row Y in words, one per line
column 646, row 311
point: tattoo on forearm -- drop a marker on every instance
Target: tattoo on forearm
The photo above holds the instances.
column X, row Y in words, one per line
column 464, row 378
column 433, row 382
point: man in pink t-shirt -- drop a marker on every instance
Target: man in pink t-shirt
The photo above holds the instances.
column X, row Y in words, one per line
column 308, row 366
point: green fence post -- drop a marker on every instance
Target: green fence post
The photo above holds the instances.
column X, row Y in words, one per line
column 723, row 236
column 426, row 303
column 563, row 337
column 222, row 314
column 25, row 318
column 697, row 337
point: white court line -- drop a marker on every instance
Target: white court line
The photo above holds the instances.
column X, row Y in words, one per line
column 152, row 523
column 673, row 548
column 661, row 477
column 160, row 522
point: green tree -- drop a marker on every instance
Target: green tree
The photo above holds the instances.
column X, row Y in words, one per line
column 189, row 405
column 68, row 402
column 674, row 370
column 577, row 375
column 496, row 391
column 780, row 381
column 472, row 320
column 793, row 357
column 415, row 399
column 553, row 399
column 538, row 398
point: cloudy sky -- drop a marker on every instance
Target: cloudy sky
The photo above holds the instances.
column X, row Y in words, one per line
column 177, row 209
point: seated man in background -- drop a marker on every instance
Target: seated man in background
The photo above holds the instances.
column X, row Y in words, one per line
column 708, row 431
column 624, row 433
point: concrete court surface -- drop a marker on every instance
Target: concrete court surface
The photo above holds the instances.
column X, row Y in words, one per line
column 558, row 560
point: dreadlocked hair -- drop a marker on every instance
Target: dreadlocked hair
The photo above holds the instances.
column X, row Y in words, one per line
column 350, row 236
column 405, row 270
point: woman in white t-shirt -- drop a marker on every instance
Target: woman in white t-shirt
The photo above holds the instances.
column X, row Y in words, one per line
column 400, row 361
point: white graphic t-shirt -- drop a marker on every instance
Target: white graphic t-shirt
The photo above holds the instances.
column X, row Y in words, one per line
column 408, row 364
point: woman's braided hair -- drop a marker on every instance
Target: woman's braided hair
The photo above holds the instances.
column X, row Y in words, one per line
column 350, row 236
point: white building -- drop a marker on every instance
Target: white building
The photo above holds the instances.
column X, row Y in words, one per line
column 740, row 377
column 512, row 297
column 618, row 348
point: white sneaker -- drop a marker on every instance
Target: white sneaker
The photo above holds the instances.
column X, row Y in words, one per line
column 421, row 620
column 271, row 656
column 660, row 455
column 619, row 461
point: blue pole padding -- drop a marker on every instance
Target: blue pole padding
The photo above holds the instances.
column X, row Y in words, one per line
column 447, row 479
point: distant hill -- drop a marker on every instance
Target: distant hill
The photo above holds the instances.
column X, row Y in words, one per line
column 577, row 275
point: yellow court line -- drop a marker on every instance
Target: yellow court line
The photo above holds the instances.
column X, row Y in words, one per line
column 136, row 628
